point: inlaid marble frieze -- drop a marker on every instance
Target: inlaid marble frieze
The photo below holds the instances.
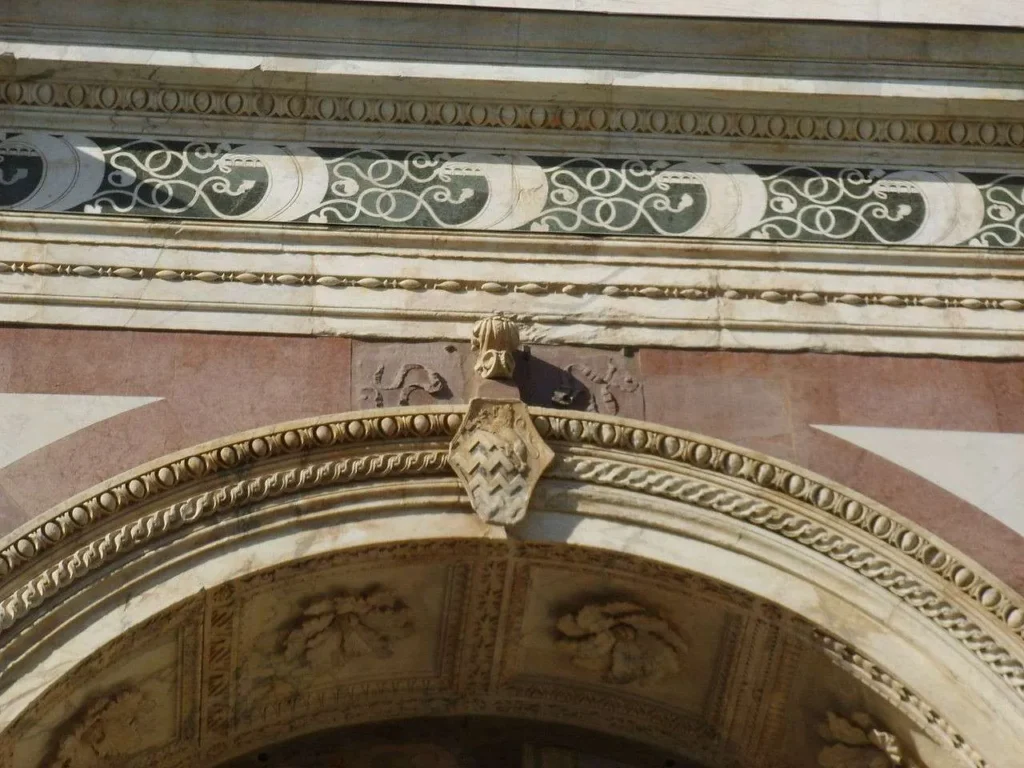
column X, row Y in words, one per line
column 477, row 190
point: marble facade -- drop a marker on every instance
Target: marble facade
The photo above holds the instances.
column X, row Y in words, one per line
column 188, row 388
column 354, row 586
column 452, row 384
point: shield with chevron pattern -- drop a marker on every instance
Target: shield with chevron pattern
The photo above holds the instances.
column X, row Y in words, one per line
column 498, row 456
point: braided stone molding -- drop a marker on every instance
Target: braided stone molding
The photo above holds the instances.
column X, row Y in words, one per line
column 729, row 462
column 900, row 696
column 128, row 537
column 779, row 295
column 590, row 449
column 231, row 457
column 359, row 110
column 879, row 569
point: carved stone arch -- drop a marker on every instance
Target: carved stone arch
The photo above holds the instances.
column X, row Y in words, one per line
column 176, row 614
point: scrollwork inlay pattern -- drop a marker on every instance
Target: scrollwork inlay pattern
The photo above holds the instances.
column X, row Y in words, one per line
column 267, row 182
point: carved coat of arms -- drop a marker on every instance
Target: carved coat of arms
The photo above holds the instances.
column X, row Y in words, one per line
column 499, row 456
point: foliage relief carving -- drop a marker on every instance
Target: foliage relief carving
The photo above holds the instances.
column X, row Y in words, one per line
column 858, row 742
column 624, row 642
column 106, row 730
column 410, row 378
column 339, row 629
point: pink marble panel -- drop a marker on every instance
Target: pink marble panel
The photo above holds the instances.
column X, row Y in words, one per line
column 768, row 402
column 212, row 385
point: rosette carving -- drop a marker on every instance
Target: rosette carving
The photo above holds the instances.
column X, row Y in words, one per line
column 623, row 641
column 105, row 730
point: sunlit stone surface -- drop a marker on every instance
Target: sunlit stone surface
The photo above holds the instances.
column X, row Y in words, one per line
column 456, row 384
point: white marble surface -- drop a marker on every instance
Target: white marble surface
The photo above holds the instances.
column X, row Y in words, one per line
column 29, row 422
column 998, row 13
column 985, row 469
column 234, row 65
column 547, row 58
column 156, row 59
column 404, row 284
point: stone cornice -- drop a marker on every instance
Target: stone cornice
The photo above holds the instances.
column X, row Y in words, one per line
column 96, row 271
column 882, row 129
column 553, row 80
column 995, row 13
column 524, row 36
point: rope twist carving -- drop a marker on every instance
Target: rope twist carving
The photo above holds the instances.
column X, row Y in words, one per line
column 154, row 525
column 765, row 515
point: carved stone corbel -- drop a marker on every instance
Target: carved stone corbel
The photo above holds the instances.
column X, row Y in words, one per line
column 496, row 338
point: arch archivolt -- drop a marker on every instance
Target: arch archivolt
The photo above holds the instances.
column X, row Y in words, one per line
column 664, row 587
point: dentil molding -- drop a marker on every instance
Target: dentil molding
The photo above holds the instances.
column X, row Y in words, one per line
column 747, row 125
column 575, row 83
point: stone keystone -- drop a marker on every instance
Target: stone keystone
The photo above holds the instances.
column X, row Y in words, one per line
column 498, row 456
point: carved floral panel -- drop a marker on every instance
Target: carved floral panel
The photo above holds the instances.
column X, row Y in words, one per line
column 133, row 703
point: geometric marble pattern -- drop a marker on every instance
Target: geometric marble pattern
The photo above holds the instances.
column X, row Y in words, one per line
column 985, row 469
column 29, row 422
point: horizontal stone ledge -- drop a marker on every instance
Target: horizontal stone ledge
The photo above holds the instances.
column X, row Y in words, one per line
column 603, row 84
column 996, row 13
column 504, row 33
column 60, row 269
column 716, row 325
column 132, row 241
